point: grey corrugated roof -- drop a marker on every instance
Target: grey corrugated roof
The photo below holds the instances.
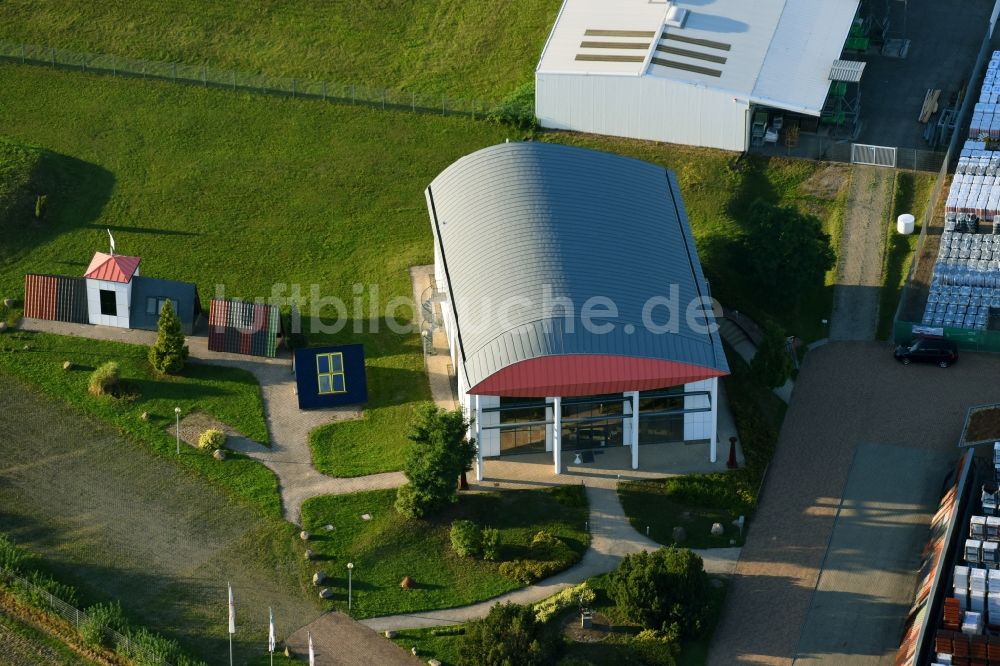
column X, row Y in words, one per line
column 515, row 217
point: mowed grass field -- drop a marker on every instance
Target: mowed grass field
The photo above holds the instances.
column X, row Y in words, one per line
column 244, row 191
column 467, row 49
column 119, row 523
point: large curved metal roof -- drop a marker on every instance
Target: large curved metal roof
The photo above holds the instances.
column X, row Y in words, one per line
column 529, row 232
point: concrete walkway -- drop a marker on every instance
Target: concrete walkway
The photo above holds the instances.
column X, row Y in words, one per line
column 611, row 538
column 288, row 456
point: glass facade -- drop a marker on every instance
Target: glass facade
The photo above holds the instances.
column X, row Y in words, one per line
column 596, row 433
column 592, row 432
column 523, row 439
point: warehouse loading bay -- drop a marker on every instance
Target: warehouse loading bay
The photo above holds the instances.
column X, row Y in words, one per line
column 914, row 47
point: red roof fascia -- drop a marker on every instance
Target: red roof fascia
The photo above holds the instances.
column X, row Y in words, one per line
column 112, row 268
column 589, row 374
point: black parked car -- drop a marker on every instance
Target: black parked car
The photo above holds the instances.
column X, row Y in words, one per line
column 928, row 350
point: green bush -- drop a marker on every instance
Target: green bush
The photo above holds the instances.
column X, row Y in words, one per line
column 105, row 380
column 517, row 109
column 771, row 365
column 448, row 631
column 508, row 635
column 10, row 555
column 491, row 543
column 41, row 590
column 546, row 609
column 666, row 590
column 527, row 572
column 211, row 439
column 439, row 453
column 168, row 353
column 466, row 538
column 574, row 496
column 711, row 491
column 99, row 618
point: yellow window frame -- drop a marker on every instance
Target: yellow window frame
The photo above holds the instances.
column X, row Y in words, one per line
column 332, row 375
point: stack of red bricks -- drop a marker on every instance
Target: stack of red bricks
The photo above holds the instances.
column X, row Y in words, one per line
column 952, row 614
column 967, row 650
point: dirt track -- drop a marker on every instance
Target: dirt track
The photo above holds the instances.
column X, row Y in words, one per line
column 859, row 271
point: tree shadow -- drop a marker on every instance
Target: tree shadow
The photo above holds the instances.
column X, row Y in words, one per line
column 75, row 195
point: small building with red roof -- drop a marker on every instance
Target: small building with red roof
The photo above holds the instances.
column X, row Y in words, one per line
column 109, row 288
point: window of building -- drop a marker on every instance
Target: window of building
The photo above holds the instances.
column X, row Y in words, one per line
column 330, row 373
column 109, row 303
column 154, row 306
column 526, row 438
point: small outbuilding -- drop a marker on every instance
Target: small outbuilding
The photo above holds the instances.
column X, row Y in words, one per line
column 330, row 376
column 110, row 293
column 243, row 327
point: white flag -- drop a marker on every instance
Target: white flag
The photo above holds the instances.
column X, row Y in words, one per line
column 232, row 611
column 112, row 241
column 270, row 631
column 312, row 655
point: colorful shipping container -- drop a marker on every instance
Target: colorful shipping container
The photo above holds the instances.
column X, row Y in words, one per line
column 241, row 327
column 55, row 298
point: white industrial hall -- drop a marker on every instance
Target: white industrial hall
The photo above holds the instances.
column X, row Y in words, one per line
column 575, row 307
column 712, row 73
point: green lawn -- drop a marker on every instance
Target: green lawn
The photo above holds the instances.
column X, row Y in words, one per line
column 248, row 192
column 230, row 394
column 27, row 645
column 434, row 46
column 443, row 643
column 119, row 521
column 912, row 195
column 388, row 547
column 693, row 502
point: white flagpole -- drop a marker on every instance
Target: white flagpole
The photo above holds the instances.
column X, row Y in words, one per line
column 312, row 655
column 232, row 622
column 270, row 633
column 112, row 241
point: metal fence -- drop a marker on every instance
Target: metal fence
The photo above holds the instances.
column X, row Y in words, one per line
column 48, row 602
column 830, row 149
column 223, row 79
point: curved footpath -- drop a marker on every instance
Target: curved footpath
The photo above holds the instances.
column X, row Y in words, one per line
column 611, row 538
column 289, row 427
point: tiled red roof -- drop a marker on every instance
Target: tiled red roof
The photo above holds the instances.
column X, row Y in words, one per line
column 113, row 268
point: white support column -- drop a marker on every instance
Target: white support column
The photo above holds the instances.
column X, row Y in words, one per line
column 634, row 443
column 477, row 425
column 557, row 434
column 713, row 426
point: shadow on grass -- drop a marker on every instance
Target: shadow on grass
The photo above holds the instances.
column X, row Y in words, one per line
column 76, row 193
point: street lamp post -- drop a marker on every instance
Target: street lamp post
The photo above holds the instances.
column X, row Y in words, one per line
column 350, row 569
column 177, row 414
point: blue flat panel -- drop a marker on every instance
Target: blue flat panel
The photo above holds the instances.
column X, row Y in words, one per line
column 331, row 376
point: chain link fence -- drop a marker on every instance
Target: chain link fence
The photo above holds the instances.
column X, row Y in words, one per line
column 210, row 77
column 41, row 598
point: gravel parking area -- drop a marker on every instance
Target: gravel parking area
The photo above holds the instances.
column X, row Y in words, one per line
column 847, row 394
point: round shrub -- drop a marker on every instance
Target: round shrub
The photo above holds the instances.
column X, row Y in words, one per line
column 466, row 538
column 97, row 620
column 666, row 590
column 105, row 380
column 212, row 439
column 508, row 635
column 491, row 543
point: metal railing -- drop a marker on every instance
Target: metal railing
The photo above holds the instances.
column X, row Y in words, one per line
column 224, row 79
column 830, row 149
column 76, row 617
